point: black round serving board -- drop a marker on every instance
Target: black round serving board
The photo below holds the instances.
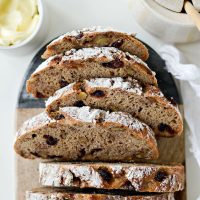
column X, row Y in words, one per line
column 155, row 62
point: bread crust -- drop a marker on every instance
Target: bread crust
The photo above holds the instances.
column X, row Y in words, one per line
column 137, row 177
column 58, row 71
column 59, row 194
column 116, row 90
column 96, row 37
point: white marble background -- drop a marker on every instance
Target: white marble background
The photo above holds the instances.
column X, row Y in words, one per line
column 65, row 15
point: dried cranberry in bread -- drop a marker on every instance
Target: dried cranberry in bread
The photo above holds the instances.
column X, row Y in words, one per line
column 86, row 134
column 96, row 37
column 58, row 71
column 126, row 176
column 146, row 102
column 63, row 194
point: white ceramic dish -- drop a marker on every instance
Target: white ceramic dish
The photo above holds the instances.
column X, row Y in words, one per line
column 35, row 32
column 163, row 23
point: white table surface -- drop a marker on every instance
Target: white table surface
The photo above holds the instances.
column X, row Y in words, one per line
column 66, row 15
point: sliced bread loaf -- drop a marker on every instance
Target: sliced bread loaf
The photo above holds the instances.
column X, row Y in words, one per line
column 58, row 71
column 86, row 134
column 61, row 194
column 116, row 94
column 134, row 177
column 96, row 37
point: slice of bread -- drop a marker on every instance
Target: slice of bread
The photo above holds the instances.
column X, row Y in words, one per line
column 61, row 194
column 126, row 176
column 86, row 134
column 58, row 71
column 146, row 102
column 96, row 37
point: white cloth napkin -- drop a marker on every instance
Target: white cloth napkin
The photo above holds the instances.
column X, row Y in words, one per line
column 189, row 78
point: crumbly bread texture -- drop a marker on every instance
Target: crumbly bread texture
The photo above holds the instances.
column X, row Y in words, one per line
column 58, row 71
column 86, row 134
column 136, row 177
column 96, row 37
column 61, row 194
column 146, row 102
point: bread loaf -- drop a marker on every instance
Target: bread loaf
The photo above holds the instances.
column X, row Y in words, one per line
column 86, row 134
column 96, row 37
column 146, row 102
column 126, row 176
column 58, row 71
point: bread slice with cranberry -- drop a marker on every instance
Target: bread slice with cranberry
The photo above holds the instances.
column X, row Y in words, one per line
column 125, row 176
column 59, row 71
column 63, row 194
column 96, row 37
column 146, row 102
column 86, row 134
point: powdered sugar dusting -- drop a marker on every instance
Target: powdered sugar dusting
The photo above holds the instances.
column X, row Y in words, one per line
column 87, row 114
column 54, row 176
column 59, row 93
column 35, row 122
column 87, row 173
column 75, row 33
column 98, row 52
column 172, row 183
column 116, row 168
column 116, row 83
column 44, row 64
column 139, row 61
column 124, row 119
column 136, row 175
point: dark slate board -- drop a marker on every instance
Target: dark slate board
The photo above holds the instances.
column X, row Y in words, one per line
column 155, row 62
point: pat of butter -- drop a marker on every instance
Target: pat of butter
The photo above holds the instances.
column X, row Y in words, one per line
column 18, row 20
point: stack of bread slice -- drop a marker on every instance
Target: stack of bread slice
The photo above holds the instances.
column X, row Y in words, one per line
column 103, row 114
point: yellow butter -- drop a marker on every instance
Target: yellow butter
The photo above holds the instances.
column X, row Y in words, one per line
column 18, row 20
